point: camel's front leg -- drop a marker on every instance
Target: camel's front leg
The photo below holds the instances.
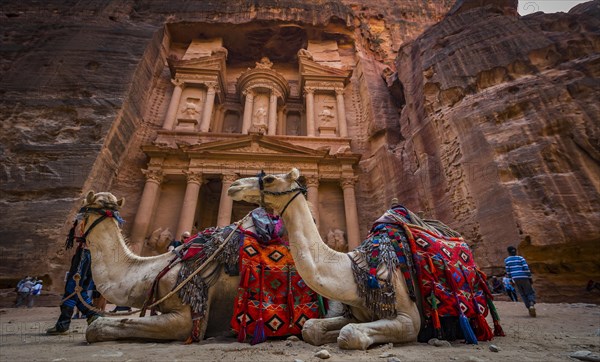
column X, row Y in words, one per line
column 175, row 325
column 361, row 335
column 321, row 331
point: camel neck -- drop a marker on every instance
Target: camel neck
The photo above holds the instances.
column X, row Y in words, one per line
column 116, row 269
column 326, row 271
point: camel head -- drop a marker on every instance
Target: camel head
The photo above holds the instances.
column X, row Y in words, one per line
column 103, row 200
column 277, row 189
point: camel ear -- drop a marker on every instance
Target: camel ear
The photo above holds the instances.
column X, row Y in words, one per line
column 121, row 202
column 293, row 174
column 89, row 198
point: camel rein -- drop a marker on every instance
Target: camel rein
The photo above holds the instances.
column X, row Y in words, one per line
column 108, row 213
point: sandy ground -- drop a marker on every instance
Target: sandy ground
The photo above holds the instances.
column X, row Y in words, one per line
column 558, row 330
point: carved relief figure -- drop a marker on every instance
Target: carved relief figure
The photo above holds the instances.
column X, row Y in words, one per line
column 264, row 63
column 326, row 115
column 191, row 108
column 259, row 121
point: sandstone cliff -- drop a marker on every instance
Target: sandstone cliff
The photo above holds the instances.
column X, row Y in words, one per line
column 500, row 136
column 80, row 87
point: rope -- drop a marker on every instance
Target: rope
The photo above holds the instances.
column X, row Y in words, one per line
column 201, row 267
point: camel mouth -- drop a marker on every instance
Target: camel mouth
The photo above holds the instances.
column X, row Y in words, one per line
column 233, row 191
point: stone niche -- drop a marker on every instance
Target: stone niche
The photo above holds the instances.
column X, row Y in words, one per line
column 190, row 108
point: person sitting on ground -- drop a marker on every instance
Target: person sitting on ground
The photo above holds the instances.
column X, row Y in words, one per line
column 24, row 290
column 36, row 290
column 496, row 285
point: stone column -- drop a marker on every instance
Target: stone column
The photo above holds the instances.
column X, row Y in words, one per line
column 351, row 213
column 174, row 105
column 190, row 201
column 280, row 123
column 208, row 107
column 248, row 107
column 341, row 112
column 312, row 184
column 145, row 208
column 310, row 111
column 226, row 202
column 272, row 130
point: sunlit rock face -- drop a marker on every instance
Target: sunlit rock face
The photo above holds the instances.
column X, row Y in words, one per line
column 500, row 136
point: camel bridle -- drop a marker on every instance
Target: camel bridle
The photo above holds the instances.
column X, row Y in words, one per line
column 300, row 189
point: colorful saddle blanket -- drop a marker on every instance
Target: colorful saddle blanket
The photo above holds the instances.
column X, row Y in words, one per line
column 441, row 267
column 272, row 300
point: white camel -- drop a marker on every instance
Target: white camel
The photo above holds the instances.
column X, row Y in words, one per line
column 125, row 279
column 329, row 272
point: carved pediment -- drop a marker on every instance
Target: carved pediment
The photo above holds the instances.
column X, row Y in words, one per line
column 313, row 71
column 252, row 146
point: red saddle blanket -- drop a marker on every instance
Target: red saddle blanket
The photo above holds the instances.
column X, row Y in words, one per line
column 272, row 299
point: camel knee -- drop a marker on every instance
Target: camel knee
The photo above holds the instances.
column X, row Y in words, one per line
column 352, row 337
column 312, row 332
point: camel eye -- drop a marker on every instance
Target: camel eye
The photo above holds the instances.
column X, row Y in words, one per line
column 268, row 179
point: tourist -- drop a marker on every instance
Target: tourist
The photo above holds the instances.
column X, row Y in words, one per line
column 36, row 290
column 23, row 290
column 518, row 270
column 175, row 243
column 496, row 285
column 510, row 289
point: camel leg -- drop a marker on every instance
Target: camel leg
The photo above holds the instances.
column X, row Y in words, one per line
column 361, row 335
column 320, row 331
column 175, row 325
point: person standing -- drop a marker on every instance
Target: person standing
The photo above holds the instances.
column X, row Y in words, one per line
column 518, row 270
column 510, row 289
column 81, row 265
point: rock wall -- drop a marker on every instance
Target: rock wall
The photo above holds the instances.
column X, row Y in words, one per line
column 500, row 136
column 83, row 85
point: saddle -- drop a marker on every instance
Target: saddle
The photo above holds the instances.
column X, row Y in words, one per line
column 272, row 300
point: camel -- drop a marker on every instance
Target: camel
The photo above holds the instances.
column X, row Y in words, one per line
column 125, row 278
column 157, row 243
column 329, row 272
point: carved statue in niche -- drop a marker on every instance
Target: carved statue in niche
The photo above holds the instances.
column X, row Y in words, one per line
column 230, row 129
column 326, row 115
column 259, row 120
column 264, row 63
column 336, row 240
column 191, row 108
column 305, row 53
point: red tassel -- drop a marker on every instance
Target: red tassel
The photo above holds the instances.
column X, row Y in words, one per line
column 498, row 329
column 484, row 333
column 259, row 328
column 290, row 298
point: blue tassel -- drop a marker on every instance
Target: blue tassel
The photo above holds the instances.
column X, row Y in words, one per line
column 372, row 282
column 259, row 332
column 468, row 333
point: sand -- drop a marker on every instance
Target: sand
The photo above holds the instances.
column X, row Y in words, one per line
column 559, row 330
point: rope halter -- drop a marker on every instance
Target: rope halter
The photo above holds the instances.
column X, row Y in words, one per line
column 261, row 186
column 83, row 212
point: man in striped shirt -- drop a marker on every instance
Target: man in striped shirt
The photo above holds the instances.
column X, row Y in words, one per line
column 518, row 270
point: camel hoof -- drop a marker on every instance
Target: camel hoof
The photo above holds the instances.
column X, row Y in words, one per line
column 351, row 337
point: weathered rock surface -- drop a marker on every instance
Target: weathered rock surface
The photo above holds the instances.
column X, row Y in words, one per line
column 500, row 136
column 84, row 85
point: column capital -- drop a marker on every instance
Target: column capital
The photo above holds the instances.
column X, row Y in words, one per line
column 248, row 93
column 212, row 86
column 312, row 180
column 339, row 91
column 153, row 175
column 348, row 181
column 177, row 82
column 229, row 177
column 193, row 176
column 309, row 90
